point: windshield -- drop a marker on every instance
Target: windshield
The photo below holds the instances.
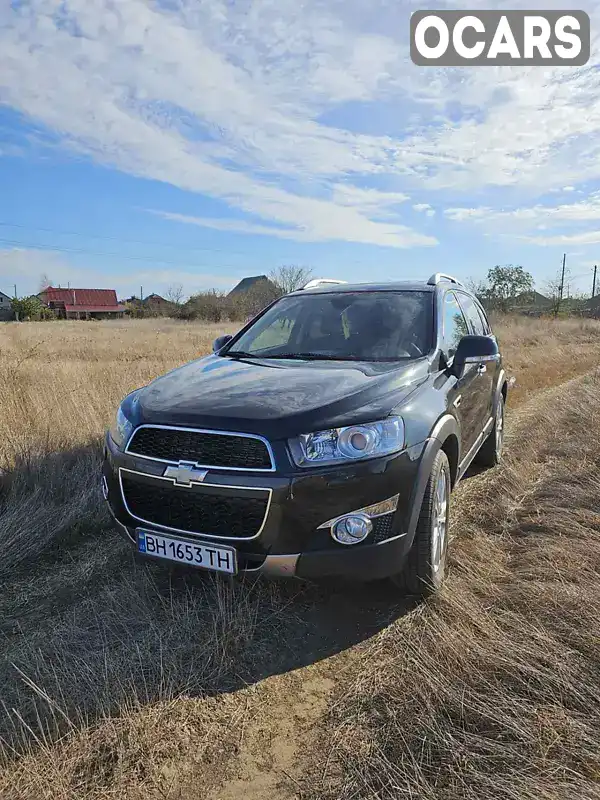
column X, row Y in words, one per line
column 362, row 326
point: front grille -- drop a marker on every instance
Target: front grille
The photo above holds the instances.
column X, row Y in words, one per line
column 194, row 511
column 205, row 449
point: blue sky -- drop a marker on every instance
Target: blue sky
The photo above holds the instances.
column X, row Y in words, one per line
column 176, row 142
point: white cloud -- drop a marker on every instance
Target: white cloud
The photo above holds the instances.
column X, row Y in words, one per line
column 584, row 210
column 159, row 94
column 240, row 101
column 25, row 267
column 520, row 221
column 397, row 236
column 366, row 199
column 424, row 208
column 367, row 202
column 584, row 238
column 473, row 214
column 233, row 225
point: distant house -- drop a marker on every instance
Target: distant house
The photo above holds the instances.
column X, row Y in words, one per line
column 254, row 282
column 592, row 307
column 151, row 299
column 152, row 305
column 6, row 312
column 532, row 303
column 82, row 303
column 156, row 301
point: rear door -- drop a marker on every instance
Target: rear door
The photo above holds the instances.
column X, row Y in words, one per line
column 485, row 382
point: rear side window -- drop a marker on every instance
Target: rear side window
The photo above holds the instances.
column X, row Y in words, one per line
column 472, row 314
column 454, row 325
column 486, row 325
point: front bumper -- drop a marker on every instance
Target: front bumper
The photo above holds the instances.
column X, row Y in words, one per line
column 290, row 542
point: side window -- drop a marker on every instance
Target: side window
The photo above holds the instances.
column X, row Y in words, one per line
column 455, row 325
column 472, row 314
column 486, row 325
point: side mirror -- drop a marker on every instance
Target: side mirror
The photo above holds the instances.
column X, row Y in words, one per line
column 221, row 341
column 474, row 350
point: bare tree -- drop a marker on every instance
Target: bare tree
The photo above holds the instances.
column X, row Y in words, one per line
column 555, row 290
column 175, row 294
column 563, row 298
column 256, row 298
column 478, row 287
column 290, row 277
column 45, row 282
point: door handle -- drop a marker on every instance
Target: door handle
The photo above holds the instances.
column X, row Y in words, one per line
column 481, row 369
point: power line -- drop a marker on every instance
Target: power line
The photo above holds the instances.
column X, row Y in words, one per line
column 176, row 245
column 85, row 251
column 152, row 259
column 579, row 275
column 151, row 243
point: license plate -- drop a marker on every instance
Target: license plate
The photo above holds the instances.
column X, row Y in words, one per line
column 195, row 554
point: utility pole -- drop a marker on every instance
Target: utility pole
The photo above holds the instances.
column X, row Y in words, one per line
column 15, row 288
column 141, row 294
column 562, row 286
column 594, row 283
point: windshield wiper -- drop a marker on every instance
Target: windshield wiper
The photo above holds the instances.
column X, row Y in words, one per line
column 313, row 356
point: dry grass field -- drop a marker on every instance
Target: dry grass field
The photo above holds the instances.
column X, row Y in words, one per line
column 122, row 681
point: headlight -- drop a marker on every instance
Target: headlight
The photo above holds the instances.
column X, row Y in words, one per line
column 121, row 429
column 123, row 426
column 351, row 443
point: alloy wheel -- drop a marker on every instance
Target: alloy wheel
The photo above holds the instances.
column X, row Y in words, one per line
column 440, row 523
column 499, row 428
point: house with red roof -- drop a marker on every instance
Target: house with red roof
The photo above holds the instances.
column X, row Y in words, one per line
column 82, row 303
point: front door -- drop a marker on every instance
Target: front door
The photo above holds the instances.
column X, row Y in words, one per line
column 486, row 371
column 465, row 396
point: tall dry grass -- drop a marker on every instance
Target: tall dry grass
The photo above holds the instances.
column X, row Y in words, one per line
column 544, row 352
column 493, row 689
column 107, row 666
column 63, row 380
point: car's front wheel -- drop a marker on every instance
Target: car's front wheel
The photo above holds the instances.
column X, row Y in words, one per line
column 425, row 567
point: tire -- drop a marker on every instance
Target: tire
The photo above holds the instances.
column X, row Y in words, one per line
column 490, row 452
column 425, row 567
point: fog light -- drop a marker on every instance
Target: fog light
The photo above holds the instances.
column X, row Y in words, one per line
column 351, row 529
column 104, row 488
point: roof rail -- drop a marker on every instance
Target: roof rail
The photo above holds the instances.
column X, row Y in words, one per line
column 321, row 282
column 441, row 276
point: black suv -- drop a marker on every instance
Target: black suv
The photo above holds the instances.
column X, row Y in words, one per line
column 323, row 439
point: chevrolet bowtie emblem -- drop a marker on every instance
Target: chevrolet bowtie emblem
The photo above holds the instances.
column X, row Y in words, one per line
column 185, row 474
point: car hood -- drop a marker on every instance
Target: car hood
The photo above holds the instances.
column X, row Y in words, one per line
column 277, row 398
